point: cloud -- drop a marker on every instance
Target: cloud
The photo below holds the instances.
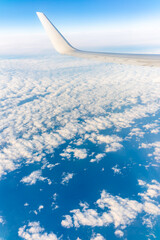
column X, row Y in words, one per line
column 151, row 208
column 97, row 236
column 112, row 142
column 98, row 157
column 153, row 190
column 67, row 177
column 80, row 153
column 34, row 231
column 67, row 222
column 33, row 178
column 153, row 127
column 119, row 233
column 77, row 153
column 121, row 213
column 136, row 132
column 54, row 203
column 26, row 204
column 40, row 208
column 155, row 146
column 116, row 170
column 2, row 220
column 115, row 210
column 49, row 166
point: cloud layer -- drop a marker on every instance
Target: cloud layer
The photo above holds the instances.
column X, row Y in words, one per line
column 61, row 116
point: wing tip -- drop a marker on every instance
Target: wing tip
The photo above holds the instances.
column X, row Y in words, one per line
column 39, row 14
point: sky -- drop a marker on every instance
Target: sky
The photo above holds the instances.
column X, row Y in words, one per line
column 102, row 23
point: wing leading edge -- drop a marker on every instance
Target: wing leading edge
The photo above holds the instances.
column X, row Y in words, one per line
column 64, row 47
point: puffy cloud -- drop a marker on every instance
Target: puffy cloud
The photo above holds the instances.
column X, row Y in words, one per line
column 115, row 210
column 121, row 212
column 98, row 157
column 80, row 153
column 67, row 177
column 97, row 236
column 1, row 220
column 116, row 170
column 26, row 204
column 50, row 166
column 119, row 233
column 153, row 190
column 34, row 231
column 40, row 208
column 153, row 127
column 136, row 132
column 67, row 222
column 33, row 178
column 77, row 152
column 112, row 142
column 151, row 208
column 155, row 146
column 54, row 203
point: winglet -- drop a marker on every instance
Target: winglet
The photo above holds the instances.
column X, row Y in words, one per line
column 59, row 42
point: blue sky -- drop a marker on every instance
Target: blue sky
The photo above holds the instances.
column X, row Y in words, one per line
column 17, row 14
column 91, row 18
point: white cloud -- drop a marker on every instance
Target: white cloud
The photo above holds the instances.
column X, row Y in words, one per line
column 33, row 178
column 151, row 208
column 121, row 213
column 116, row 170
column 80, row 153
column 40, row 208
column 34, row 231
column 67, row 177
column 115, row 210
column 119, row 233
column 67, row 222
column 54, row 203
column 153, row 190
column 77, row 153
column 26, row 204
column 1, row 220
column 51, row 166
column 136, row 132
column 97, row 236
column 155, row 146
column 98, row 157
column 153, row 127
column 55, row 195
column 112, row 142
column 141, row 182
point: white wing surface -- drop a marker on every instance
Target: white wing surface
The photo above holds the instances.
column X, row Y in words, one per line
column 64, row 47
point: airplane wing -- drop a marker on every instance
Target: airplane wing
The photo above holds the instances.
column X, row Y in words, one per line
column 64, row 47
